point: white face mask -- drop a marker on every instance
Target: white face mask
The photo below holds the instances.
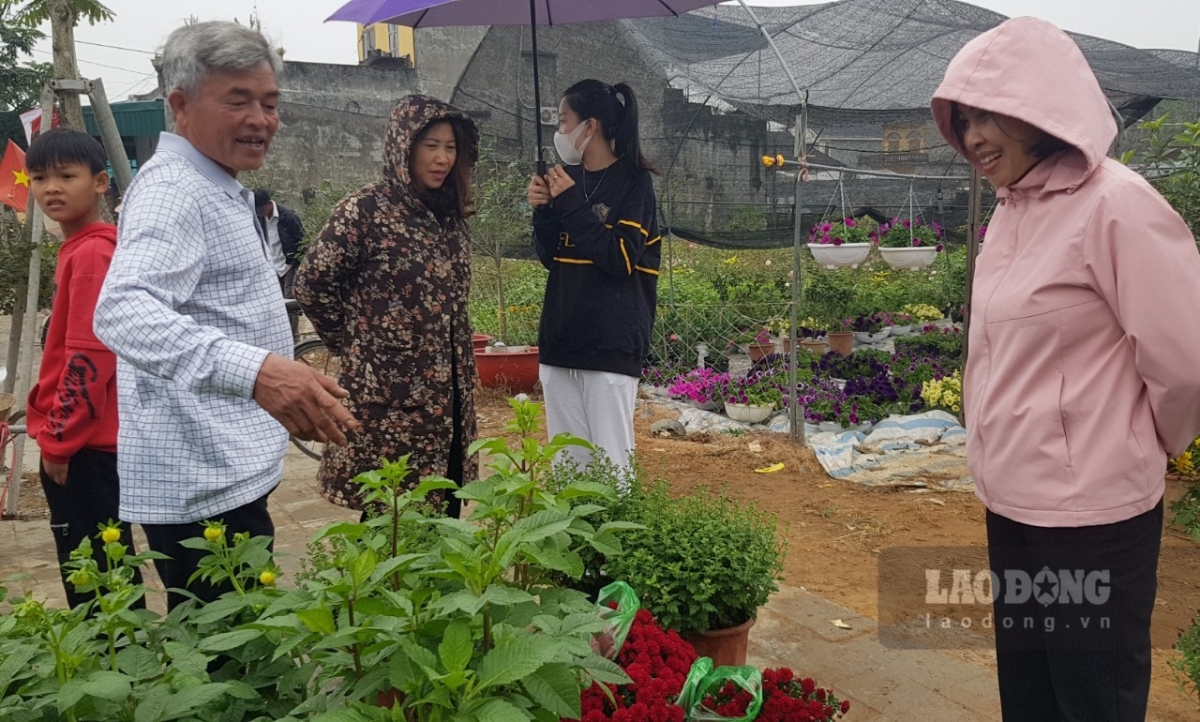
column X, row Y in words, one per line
column 565, row 145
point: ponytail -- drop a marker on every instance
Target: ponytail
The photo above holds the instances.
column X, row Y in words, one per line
column 615, row 108
column 628, row 139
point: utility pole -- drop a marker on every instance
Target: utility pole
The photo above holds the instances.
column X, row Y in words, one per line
column 62, row 33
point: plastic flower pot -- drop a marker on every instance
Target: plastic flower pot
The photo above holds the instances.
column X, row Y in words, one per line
column 911, row 259
column 841, row 341
column 815, row 345
column 847, row 255
column 749, row 413
column 757, row 351
column 875, row 337
column 902, row 330
column 480, row 341
column 514, row 368
column 726, row 647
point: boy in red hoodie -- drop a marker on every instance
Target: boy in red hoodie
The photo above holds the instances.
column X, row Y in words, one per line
column 72, row 410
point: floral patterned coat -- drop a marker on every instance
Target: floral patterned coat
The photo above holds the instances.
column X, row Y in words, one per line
column 386, row 285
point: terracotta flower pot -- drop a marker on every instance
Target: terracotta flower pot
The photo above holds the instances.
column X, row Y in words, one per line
column 480, row 341
column 726, row 647
column 515, row 371
column 841, row 341
column 818, row 347
column 758, row 350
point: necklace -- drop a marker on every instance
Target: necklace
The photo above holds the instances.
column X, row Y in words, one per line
column 587, row 197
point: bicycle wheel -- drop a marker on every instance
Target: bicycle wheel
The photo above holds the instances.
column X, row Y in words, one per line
column 314, row 353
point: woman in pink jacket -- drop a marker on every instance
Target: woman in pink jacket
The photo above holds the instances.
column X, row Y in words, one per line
column 1081, row 379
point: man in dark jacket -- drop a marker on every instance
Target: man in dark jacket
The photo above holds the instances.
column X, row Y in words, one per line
column 283, row 232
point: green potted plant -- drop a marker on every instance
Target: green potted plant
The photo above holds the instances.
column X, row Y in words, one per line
column 831, row 299
column 702, row 564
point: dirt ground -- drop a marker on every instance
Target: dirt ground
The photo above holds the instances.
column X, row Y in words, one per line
column 836, row 530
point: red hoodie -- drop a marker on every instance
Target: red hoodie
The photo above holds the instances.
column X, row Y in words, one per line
column 74, row 404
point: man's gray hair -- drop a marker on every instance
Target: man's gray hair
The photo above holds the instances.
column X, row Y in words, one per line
column 193, row 51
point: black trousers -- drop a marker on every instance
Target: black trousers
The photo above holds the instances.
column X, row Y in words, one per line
column 90, row 498
column 1072, row 618
column 252, row 518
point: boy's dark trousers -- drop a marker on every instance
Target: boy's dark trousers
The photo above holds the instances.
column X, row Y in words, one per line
column 90, row 497
column 252, row 518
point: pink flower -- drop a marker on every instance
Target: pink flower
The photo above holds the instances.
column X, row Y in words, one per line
column 836, row 241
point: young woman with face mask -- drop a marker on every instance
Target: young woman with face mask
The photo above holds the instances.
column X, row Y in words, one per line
column 595, row 229
column 1080, row 382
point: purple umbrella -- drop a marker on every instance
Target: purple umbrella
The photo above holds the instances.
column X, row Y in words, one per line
column 432, row 13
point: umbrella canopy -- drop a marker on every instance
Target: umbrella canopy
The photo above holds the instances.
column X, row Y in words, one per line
column 433, row 13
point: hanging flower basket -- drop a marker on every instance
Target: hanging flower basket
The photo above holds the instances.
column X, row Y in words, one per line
column 841, row 244
column 913, row 259
column 847, row 255
column 749, row 413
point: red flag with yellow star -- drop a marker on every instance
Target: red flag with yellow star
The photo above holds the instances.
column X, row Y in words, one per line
column 14, row 181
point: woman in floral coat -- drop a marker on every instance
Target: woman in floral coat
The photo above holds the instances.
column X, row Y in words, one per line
column 386, row 285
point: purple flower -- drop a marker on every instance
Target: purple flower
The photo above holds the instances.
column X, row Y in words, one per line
column 907, row 223
column 837, row 241
column 916, row 242
column 849, row 222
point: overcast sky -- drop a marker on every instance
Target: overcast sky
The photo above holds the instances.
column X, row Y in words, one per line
column 298, row 26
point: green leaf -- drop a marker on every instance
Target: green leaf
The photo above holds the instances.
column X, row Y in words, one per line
column 513, row 659
column 186, row 701
column 605, row 671
column 606, row 543
column 556, row 688
column 153, row 706
column 544, row 523
column 587, row 489
column 499, row 710
column 317, row 619
column 342, row 715
column 228, row 640
column 350, row 530
column 362, row 566
column 138, row 662
column 112, row 686
column 457, row 646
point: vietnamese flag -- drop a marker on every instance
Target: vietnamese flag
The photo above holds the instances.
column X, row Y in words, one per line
column 14, row 181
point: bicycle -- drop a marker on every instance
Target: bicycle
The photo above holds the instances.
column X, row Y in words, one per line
column 10, row 468
column 311, row 350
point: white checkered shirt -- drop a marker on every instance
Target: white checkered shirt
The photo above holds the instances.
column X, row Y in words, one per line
column 191, row 307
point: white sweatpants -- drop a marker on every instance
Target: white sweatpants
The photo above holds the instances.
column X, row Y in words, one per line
column 593, row 405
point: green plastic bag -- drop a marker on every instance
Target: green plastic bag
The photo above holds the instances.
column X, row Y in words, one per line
column 620, row 619
column 703, row 680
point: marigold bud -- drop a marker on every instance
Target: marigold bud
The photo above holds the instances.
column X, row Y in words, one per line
column 110, row 534
column 213, row 533
column 267, row 577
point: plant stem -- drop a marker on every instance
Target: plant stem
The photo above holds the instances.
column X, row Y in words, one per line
column 354, row 649
column 487, row 627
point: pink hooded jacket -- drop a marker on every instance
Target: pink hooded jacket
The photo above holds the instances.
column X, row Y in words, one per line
column 1081, row 377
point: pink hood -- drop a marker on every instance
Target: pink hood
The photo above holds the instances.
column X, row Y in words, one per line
column 1028, row 69
column 1080, row 379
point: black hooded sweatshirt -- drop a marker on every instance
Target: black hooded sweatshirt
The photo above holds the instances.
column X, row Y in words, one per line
column 600, row 242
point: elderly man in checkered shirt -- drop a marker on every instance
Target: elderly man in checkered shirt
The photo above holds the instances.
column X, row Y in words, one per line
column 207, row 387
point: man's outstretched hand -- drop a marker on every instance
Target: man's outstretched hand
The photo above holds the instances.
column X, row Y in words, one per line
column 304, row 400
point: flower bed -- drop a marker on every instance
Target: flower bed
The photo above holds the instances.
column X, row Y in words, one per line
column 864, row 387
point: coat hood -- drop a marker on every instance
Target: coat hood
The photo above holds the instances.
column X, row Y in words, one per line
column 409, row 117
column 1028, row 69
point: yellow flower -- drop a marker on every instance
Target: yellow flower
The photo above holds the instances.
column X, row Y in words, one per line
column 954, row 408
column 110, row 534
column 213, row 533
column 267, row 577
column 731, row 260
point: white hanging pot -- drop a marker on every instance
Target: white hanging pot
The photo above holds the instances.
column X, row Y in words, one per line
column 749, row 413
column 912, row 259
column 847, row 255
